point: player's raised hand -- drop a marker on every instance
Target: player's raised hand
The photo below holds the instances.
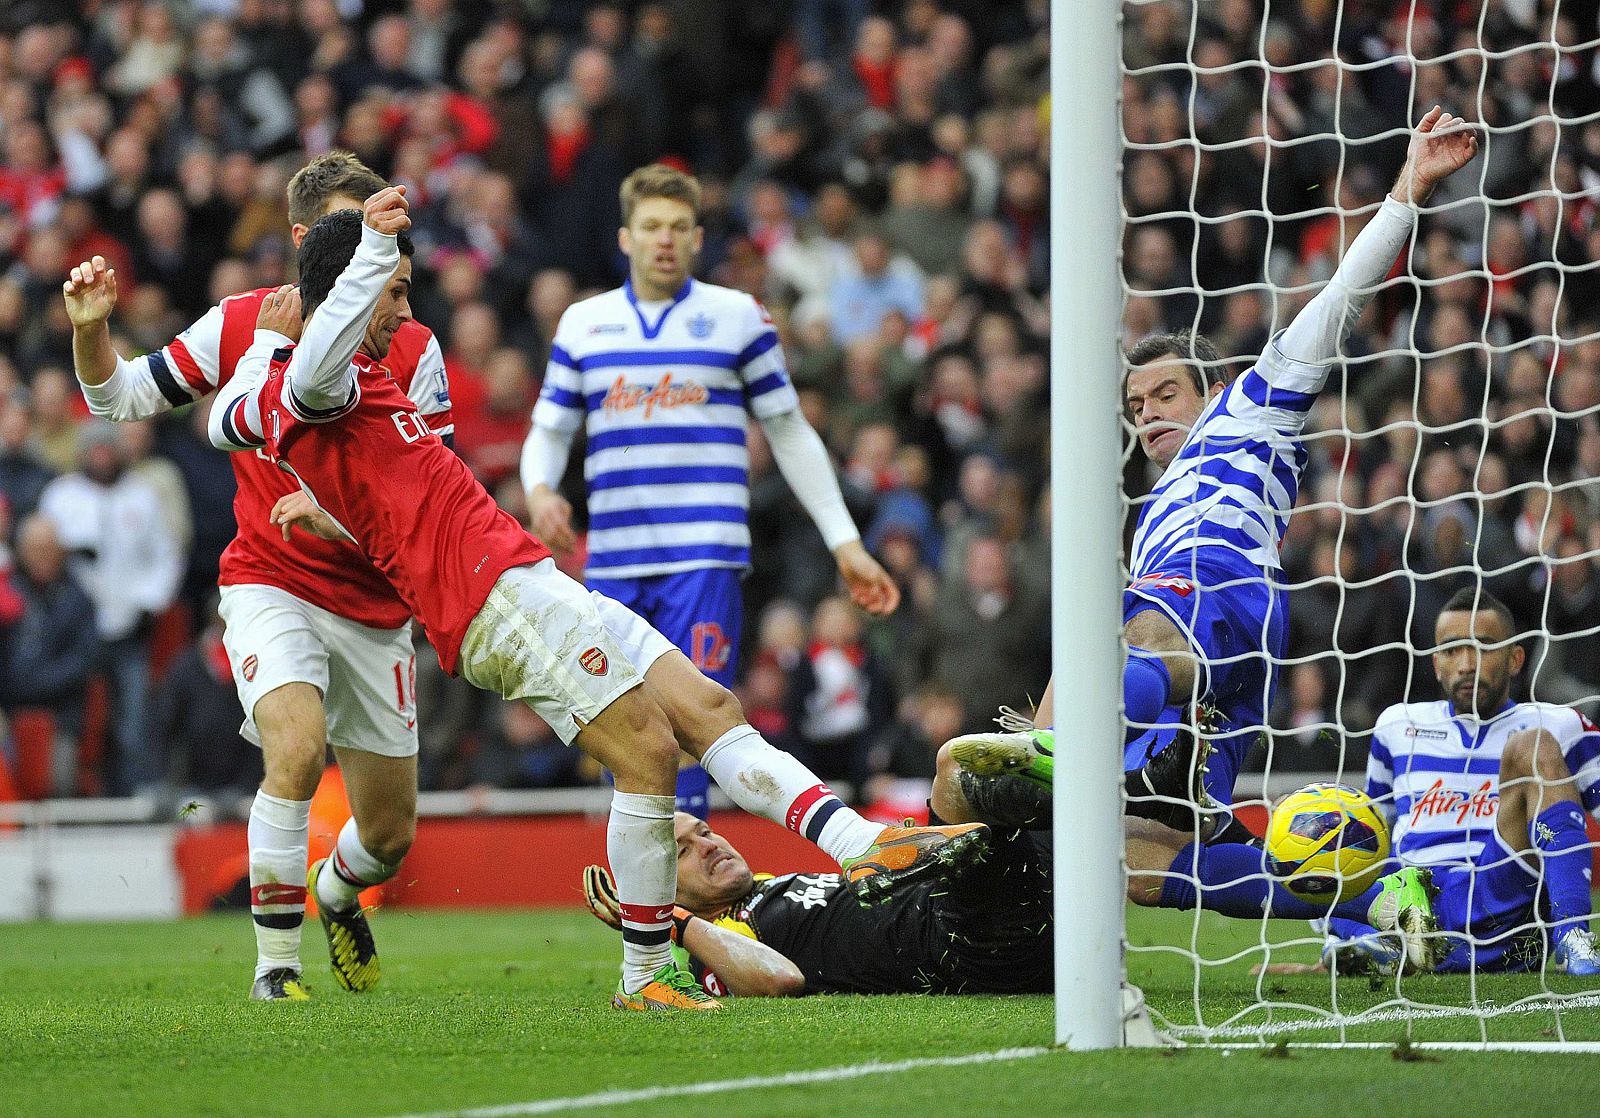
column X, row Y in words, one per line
column 551, row 516
column 869, row 584
column 600, row 894
column 387, row 211
column 1441, row 146
column 280, row 312
column 298, row 509
column 90, row 292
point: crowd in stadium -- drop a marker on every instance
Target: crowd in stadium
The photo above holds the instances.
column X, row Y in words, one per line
column 877, row 175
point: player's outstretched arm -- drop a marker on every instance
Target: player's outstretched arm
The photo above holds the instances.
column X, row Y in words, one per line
column 319, row 375
column 747, row 967
column 1441, row 145
column 90, row 292
column 119, row 389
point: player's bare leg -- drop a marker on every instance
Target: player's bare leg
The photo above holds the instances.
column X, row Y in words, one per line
column 1541, row 817
column 293, row 745
column 370, row 847
column 633, row 739
column 710, row 725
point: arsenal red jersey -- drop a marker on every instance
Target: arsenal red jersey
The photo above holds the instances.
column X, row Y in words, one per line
column 330, row 574
column 413, row 507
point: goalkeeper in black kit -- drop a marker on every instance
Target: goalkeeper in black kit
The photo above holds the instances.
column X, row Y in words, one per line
column 984, row 929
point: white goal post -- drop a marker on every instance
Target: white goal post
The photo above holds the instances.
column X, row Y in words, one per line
column 1086, row 513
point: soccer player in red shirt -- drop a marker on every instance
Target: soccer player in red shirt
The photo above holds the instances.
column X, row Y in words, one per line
column 318, row 642
column 495, row 607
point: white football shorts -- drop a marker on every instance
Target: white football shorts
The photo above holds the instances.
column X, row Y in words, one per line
column 368, row 677
column 566, row 652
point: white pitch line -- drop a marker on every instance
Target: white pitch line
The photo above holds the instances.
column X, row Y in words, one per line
column 720, row 1086
column 1381, row 1017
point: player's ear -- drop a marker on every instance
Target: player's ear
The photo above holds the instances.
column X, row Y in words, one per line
column 297, row 233
column 1519, row 657
column 1214, row 390
column 625, row 241
column 699, row 238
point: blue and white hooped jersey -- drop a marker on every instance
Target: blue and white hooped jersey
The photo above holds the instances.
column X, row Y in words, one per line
column 664, row 398
column 1236, row 477
column 1436, row 774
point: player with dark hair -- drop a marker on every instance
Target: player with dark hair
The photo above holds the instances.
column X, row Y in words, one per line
column 1204, row 615
column 319, row 643
column 491, row 600
column 1490, row 796
column 974, row 929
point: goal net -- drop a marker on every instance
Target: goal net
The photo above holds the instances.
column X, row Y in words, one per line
column 1455, row 446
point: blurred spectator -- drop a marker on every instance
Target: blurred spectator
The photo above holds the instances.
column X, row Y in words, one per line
column 123, row 553
column 489, row 436
column 521, row 751
column 838, row 694
column 50, row 650
column 197, row 717
column 991, row 639
column 877, row 283
column 23, row 475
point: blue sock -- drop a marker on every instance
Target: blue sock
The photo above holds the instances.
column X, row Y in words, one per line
column 1146, row 683
column 694, row 791
column 1234, row 881
column 1563, row 844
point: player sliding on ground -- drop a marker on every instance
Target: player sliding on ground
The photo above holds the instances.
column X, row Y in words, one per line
column 1490, row 796
column 318, row 642
column 976, row 929
column 491, row 600
column 1203, row 617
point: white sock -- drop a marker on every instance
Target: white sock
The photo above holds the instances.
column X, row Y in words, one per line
column 350, row 869
column 279, row 835
column 768, row 782
column 643, row 852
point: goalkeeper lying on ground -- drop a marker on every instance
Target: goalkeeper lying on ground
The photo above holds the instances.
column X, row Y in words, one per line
column 984, row 930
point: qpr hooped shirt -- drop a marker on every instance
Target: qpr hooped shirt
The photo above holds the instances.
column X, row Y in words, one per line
column 1436, row 773
column 663, row 394
column 330, row 574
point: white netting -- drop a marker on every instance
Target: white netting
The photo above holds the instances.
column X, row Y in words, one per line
column 1457, row 443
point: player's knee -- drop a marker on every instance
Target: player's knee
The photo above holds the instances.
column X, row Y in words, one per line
column 1533, row 753
column 651, row 750
column 294, row 756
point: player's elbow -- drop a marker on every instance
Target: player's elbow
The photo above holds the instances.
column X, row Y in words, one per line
column 784, row 981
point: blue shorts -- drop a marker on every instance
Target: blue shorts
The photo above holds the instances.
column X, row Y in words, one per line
column 1237, row 622
column 702, row 613
column 1494, row 900
column 1488, row 906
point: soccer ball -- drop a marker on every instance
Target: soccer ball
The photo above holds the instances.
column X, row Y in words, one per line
column 1326, row 842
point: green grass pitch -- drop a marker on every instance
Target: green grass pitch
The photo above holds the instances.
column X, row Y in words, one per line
column 483, row 1009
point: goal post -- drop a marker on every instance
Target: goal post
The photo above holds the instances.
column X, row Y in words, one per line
column 1086, row 518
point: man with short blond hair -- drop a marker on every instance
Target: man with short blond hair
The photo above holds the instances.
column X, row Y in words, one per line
column 662, row 374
